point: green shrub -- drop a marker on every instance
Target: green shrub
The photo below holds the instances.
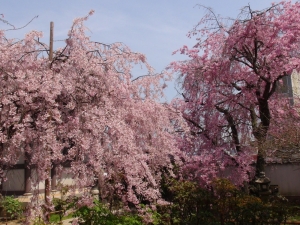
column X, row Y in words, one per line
column 100, row 214
column 59, row 204
column 12, row 207
column 189, row 204
column 222, row 203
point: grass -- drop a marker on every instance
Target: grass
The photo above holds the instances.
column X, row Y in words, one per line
column 294, row 218
column 56, row 217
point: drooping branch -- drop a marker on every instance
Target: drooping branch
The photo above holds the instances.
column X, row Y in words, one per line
column 232, row 126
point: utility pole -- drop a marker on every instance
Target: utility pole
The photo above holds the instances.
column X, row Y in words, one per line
column 47, row 181
column 51, row 41
column 53, row 169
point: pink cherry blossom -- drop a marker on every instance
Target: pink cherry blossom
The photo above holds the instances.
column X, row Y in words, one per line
column 231, row 88
column 86, row 108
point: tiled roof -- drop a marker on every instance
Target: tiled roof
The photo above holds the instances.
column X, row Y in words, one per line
column 284, row 156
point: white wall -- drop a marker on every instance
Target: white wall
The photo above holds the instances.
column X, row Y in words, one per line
column 15, row 180
column 287, row 176
column 66, row 178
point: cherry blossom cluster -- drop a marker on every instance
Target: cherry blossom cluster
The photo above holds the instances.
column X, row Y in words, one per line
column 231, row 88
column 85, row 108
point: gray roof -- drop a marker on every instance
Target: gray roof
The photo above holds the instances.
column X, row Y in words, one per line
column 284, row 156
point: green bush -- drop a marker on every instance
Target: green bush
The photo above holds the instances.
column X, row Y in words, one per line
column 99, row 214
column 189, row 204
column 12, row 207
column 222, row 203
column 58, row 204
column 61, row 205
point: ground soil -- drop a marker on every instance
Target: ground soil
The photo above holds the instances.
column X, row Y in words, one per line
column 19, row 222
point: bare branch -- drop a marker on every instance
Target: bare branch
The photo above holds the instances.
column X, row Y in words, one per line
column 22, row 26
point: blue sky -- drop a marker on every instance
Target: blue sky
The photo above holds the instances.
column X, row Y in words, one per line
column 153, row 27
